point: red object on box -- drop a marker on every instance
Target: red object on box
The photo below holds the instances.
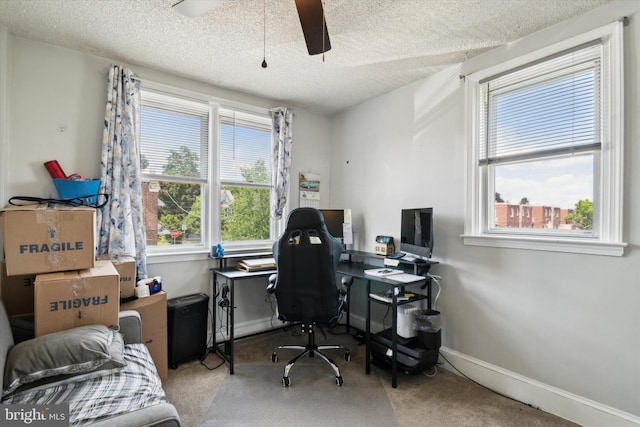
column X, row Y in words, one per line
column 54, row 168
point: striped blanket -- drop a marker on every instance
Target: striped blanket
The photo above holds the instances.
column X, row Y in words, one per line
column 136, row 386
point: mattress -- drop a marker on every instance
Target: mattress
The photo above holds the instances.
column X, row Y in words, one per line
column 134, row 387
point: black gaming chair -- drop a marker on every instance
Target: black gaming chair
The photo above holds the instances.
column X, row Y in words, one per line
column 305, row 286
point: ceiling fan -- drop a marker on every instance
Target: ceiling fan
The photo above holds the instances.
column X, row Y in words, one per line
column 310, row 12
column 314, row 26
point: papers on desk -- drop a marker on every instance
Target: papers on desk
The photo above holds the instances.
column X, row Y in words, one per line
column 394, row 274
column 385, row 297
column 407, row 278
column 257, row 264
column 383, row 272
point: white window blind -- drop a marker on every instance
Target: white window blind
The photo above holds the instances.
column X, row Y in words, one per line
column 174, row 140
column 544, row 109
column 245, row 143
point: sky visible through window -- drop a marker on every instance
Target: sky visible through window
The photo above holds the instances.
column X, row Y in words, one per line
column 558, row 183
column 241, row 148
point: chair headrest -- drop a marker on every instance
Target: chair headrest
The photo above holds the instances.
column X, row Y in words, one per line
column 305, row 218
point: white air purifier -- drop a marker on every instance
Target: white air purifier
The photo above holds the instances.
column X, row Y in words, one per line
column 405, row 320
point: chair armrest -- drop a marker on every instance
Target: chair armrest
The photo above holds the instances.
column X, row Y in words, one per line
column 273, row 283
column 130, row 326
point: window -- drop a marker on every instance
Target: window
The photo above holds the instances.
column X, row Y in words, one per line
column 545, row 134
column 206, row 174
column 245, row 177
column 174, row 147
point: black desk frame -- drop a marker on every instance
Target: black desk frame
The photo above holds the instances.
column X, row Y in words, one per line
column 356, row 270
column 231, row 274
column 350, row 268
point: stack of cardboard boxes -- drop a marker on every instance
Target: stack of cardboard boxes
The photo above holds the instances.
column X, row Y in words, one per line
column 50, row 274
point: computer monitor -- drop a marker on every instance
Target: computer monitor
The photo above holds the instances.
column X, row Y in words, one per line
column 416, row 231
column 334, row 218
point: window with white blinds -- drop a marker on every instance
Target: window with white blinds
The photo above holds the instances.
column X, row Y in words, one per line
column 245, row 177
column 245, row 144
column 546, row 109
column 175, row 137
column 546, row 147
column 174, row 155
column 206, row 173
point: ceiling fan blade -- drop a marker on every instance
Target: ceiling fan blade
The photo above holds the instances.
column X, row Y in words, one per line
column 314, row 26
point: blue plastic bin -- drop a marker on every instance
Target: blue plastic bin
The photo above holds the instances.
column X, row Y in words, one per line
column 83, row 189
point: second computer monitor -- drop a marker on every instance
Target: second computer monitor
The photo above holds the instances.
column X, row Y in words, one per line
column 416, row 231
column 334, row 219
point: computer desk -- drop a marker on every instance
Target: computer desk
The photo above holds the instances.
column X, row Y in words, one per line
column 357, row 270
column 231, row 274
column 345, row 268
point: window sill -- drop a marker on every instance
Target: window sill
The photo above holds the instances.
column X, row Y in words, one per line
column 199, row 254
column 576, row 246
column 177, row 256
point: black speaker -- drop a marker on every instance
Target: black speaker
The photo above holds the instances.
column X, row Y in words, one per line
column 187, row 324
column 223, row 301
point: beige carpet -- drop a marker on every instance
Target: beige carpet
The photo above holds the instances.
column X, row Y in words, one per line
column 446, row 399
column 254, row 396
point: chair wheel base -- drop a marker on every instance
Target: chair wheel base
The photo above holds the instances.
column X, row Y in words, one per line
column 311, row 350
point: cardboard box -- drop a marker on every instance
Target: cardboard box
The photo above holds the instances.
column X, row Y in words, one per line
column 16, row 292
column 68, row 299
column 153, row 312
column 39, row 239
column 126, row 267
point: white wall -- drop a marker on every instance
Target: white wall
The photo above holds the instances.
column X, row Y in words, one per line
column 56, row 102
column 559, row 331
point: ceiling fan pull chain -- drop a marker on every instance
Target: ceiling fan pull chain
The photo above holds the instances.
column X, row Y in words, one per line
column 264, row 36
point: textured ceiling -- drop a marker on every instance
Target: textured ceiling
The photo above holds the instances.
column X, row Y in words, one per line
column 377, row 45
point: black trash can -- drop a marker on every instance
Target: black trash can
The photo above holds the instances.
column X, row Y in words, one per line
column 427, row 324
column 187, row 324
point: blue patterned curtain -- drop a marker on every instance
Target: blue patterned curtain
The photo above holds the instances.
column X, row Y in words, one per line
column 121, row 226
column 282, row 141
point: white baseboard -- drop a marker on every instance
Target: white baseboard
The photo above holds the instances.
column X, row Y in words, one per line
column 550, row 399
